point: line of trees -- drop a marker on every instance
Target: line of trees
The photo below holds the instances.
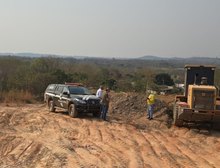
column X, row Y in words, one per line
column 30, row 76
column 34, row 74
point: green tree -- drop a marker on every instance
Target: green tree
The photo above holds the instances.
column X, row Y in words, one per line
column 163, row 79
column 111, row 83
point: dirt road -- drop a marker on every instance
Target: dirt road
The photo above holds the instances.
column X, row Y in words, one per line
column 30, row 136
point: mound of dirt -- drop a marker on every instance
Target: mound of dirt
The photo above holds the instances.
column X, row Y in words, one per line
column 131, row 108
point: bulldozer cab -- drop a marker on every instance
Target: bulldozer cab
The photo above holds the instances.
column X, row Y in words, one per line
column 197, row 74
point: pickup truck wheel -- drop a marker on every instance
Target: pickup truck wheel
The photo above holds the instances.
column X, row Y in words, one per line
column 72, row 111
column 51, row 106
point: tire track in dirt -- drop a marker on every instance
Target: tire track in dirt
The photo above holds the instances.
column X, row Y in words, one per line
column 99, row 142
column 161, row 150
column 26, row 134
column 187, row 150
column 126, row 145
column 183, row 146
column 151, row 158
column 115, row 145
column 174, row 150
column 67, row 134
column 83, row 146
column 28, row 154
column 175, row 153
column 135, row 156
column 33, row 137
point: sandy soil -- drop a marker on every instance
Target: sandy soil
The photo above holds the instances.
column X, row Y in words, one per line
column 30, row 136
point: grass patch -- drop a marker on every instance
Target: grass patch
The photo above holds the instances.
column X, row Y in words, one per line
column 17, row 96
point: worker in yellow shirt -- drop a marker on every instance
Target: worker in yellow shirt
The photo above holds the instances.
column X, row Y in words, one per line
column 150, row 105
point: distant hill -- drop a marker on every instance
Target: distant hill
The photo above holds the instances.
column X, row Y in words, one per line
column 34, row 55
column 151, row 57
column 202, row 60
column 176, row 61
column 188, row 60
column 37, row 55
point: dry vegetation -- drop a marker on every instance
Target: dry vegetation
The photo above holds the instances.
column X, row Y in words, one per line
column 16, row 96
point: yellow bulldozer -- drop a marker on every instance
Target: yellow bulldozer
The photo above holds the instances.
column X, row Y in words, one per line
column 200, row 102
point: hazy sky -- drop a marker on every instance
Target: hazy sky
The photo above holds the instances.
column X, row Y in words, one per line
column 111, row 28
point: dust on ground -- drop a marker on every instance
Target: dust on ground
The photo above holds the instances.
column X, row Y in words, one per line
column 31, row 136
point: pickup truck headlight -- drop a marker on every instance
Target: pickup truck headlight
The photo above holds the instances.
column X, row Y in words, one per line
column 80, row 101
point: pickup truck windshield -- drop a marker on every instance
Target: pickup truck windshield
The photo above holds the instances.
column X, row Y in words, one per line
column 79, row 90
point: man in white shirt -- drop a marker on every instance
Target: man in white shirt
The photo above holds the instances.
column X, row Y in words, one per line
column 99, row 95
column 99, row 92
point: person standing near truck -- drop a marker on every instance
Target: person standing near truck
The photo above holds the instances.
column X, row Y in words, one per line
column 105, row 103
column 150, row 105
column 99, row 92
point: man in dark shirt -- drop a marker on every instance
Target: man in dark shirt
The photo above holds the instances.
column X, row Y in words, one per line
column 105, row 103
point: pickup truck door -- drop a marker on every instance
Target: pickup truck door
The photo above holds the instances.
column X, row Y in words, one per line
column 57, row 96
column 65, row 96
